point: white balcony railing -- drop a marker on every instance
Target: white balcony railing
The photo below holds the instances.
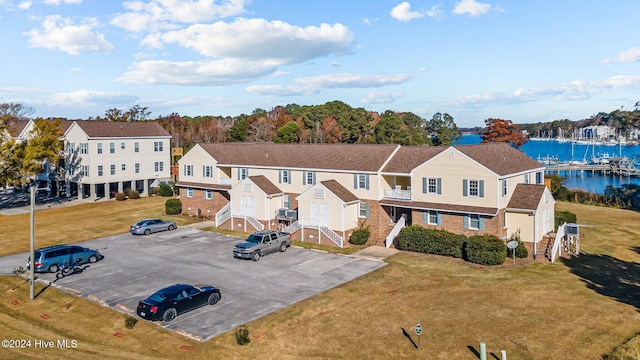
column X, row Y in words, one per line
column 397, row 194
column 223, row 215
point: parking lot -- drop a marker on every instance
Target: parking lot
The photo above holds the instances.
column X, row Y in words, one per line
column 136, row 266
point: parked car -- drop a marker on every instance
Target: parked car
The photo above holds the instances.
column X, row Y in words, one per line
column 165, row 304
column 49, row 259
column 148, row 226
column 261, row 243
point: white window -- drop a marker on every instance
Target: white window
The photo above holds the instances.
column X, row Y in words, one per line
column 243, row 173
column 361, row 181
column 207, row 171
column 112, row 148
column 84, row 148
column 122, row 145
column 539, row 177
column 136, row 146
column 113, row 169
column 474, row 221
column 473, row 188
column 124, row 167
column 137, row 167
column 84, row 170
column 157, row 146
column 99, row 148
column 188, row 170
column 432, row 185
column 99, row 170
column 432, row 217
column 526, row 178
column 285, row 177
column 189, row 192
column 158, row 166
column 309, row 178
column 208, row 194
column 363, row 210
column 505, row 187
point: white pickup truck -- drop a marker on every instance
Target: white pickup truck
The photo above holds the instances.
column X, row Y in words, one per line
column 261, row 243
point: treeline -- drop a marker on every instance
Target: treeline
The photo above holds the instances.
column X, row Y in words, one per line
column 623, row 121
column 333, row 122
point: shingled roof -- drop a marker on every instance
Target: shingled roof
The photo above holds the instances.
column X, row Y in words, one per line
column 408, row 158
column 340, row 191
column 526, row 197
column 501, row 158
column 265, row 185
column 110, row 129
column 347, row 157
column 16, row 127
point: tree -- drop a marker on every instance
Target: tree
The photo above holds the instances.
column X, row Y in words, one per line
column 499, row 130
column 414, row 125
column 136, row 113
column 442, row 130
column 288, row 134
column 239, row 130
column 390, row 130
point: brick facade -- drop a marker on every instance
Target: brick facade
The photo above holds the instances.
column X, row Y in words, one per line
column 208, row 208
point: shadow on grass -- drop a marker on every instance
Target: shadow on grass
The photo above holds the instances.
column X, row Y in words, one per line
column 608, row 276
column 636, row 249
column 405, row 333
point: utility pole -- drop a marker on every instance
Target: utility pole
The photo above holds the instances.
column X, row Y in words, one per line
column 33, row 240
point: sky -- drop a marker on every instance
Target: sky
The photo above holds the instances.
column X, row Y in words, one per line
column 524, row 61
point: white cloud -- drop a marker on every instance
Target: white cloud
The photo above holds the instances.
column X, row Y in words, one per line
column 163, row 14
column 402, row 12
column 345, row 80
column 574, row 90
column 282, row 90
column 64, row 35
column 629, row 55
column 369, row 21
column 88, row 97
column 215, row 72
column 270, row 41
column 58, row 2
column 473, row 8
column 435, row 11
column 378, row 97
column 25, row 5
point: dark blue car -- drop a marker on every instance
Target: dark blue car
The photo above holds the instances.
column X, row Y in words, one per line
column 167, row 303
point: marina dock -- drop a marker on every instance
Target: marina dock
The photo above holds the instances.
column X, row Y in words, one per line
column 621, row 166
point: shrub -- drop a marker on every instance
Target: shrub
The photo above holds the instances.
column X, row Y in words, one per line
column 121, row 196
column 562, row 217
column 165, row 190
column 242, row 335
column 173, row 206
column 154, row 191
column 521, row 251
column 361, row 235
column 130, row 322
column 430, row 241
column 134, row 194
column 485, row 250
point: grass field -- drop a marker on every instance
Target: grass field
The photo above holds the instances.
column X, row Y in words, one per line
column 578, row 308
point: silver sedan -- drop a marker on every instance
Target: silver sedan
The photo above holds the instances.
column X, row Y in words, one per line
column 148, row 226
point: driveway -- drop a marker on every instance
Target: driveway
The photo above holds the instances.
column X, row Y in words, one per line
column 136, row 266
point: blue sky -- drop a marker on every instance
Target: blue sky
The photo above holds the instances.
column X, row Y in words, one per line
column 525, row 61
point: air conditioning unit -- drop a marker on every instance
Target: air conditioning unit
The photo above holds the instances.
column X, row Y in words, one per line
column 292, row 214
column 282, row 212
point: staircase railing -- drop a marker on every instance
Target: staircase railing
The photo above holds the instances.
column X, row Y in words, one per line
column 555, row 250
column 332, row 235
column 293, row 227
column 223, row 215
column 254, row 222
column 394, row 232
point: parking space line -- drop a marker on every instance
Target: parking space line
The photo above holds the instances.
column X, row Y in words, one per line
column 111, row 273
column 338, row 266
column 196, row 313
column 305, row 262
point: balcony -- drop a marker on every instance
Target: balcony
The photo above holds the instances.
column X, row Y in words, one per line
column 397, row 194
column 225, row 181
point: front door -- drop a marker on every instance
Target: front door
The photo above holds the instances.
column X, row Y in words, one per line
column 247, row 205
column 320, row 213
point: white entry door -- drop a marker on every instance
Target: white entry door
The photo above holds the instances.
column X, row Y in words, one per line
column 247, row 205
column 320, row 213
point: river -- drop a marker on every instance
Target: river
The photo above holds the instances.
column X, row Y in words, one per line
column 566, row 151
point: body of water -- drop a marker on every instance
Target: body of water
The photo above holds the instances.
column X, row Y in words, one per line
column 567, row 151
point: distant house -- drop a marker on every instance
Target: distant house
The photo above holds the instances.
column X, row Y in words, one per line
column 322, row 192
column 103, row 158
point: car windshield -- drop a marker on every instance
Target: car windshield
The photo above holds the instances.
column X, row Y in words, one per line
column 140, row 223
column 254, row 239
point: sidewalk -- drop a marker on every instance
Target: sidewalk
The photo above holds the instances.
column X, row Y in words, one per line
column 49, row 205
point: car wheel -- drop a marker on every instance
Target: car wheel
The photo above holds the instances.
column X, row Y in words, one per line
column 93, row 259
column 171, row 227
column 53, row 268
column 214, row 298
column 283, row 247
column 59, row 275
column 169, row 315
column 147, row 232
column 256, row 256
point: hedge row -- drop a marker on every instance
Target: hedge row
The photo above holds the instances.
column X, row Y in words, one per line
column 478, row 249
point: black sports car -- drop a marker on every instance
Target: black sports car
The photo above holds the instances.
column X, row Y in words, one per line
column 176, row 299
